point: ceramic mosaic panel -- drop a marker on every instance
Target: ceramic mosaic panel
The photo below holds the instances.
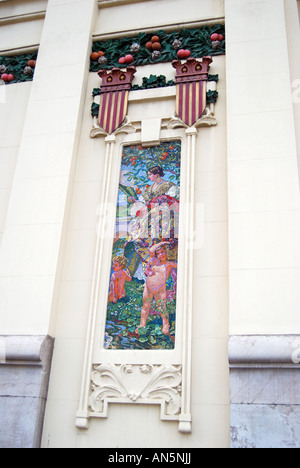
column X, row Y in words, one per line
column 141, row 310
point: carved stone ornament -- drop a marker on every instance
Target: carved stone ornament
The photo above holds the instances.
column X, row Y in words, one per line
column 139, row 384
column 116, row 80
column 126, row 127
column 206, row 120
column 191, row 79
column 192, row 70
column 114, row 98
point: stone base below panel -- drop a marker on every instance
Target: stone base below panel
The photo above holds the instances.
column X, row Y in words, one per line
column 265, row 391
column 265, row 426
column 24, row 376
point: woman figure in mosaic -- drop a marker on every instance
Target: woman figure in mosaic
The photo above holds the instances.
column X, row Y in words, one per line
column 156, row 214
column 154, row 241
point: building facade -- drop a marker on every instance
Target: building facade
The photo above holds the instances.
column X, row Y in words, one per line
column 84, row 366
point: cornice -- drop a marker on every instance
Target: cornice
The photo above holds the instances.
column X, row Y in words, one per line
column 264, row 351
column 165, row 27
column 112, row 3
column 25, row 350
column 22, row 18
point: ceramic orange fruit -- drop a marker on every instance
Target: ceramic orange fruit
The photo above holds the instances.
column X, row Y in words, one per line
column 156, row 46
column 149, row 46
column 155, row 39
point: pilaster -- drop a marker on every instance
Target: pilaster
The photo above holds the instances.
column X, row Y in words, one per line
column 263, row 184
column 38, row 210
column 264, row 226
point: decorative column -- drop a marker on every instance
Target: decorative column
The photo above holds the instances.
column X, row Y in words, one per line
column 191, row 113
column 185, row 418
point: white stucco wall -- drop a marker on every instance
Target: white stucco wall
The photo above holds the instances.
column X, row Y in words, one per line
column 13, row 105
column 263, row 183
column 246, row 271
column 21, row 24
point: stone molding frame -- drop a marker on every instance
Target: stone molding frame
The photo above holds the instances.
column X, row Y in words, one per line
column 25, row 363
column 264, row 351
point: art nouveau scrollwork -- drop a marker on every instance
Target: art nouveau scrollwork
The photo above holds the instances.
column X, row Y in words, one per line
column 126, row 127
column 140, row 384
column 207, row 119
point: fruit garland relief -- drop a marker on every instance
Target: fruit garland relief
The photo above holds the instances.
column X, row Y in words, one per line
column 145, row 49
column 17, row 68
